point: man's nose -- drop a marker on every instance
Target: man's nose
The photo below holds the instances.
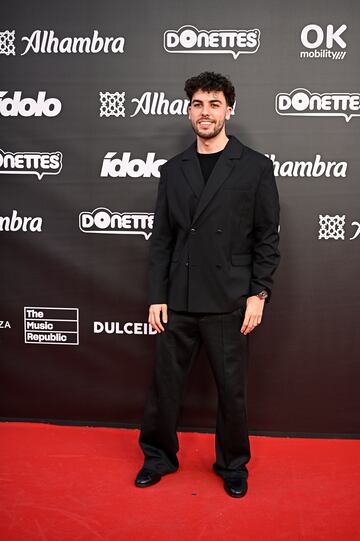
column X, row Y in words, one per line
column 205, row 111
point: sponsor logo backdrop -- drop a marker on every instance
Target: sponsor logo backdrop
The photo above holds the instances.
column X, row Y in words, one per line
column 91, row 105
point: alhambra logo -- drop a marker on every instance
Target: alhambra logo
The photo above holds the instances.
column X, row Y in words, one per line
column 19, row 223
column 47, row 42
column 148, row 103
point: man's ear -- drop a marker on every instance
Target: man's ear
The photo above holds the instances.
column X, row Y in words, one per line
column 228, row 113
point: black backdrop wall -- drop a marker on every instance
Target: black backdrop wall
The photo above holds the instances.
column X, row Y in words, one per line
column 84, row 126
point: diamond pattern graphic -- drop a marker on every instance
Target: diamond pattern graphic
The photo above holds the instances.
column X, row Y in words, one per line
column 7, row 42
column 332, row 227
column 112, row 104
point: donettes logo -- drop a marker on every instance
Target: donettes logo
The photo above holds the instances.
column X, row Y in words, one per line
column 188, row 39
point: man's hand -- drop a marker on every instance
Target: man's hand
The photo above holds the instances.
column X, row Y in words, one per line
column 154, row 316
column 253, row 314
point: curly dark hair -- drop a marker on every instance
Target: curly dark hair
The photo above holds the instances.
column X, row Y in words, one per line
column 209, row 80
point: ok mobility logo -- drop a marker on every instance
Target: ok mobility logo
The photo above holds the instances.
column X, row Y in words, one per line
column 322, row 43
column 189, row 39
column 302, row 102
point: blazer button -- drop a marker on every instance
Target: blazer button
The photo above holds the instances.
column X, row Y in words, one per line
column 186, row 264
column 193, row 230
column 219, row 231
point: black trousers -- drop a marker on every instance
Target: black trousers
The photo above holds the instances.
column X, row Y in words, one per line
column 176, row 349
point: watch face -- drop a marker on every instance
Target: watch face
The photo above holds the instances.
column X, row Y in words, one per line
column 263, row 294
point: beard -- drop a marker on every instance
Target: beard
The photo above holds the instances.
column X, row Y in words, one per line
column 208, row 134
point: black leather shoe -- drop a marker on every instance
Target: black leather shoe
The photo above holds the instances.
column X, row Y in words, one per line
column 236, row 487
column 146, row 478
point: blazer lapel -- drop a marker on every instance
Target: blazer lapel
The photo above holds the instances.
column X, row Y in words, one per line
column 220, row 173
column 192, row 170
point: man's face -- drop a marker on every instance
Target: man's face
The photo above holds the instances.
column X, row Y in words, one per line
column 208, row 112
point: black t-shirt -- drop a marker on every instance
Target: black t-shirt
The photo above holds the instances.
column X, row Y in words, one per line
column 207, row 163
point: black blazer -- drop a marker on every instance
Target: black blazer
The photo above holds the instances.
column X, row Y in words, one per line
column 214, row 243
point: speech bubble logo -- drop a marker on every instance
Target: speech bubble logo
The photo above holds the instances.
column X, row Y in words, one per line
column 188, row 39
column 103, row 221
column 30, row 163
column 302, row 102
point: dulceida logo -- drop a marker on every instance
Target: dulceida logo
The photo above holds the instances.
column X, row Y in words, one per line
column 30, row 163
column 324, row 44
column 104, row 221
column 302, row 102
column 16, row 105
column 121, row 167
column 309, row 169
column 188, row 39
column 149, row 103
column 45, row 41
column 127, row 328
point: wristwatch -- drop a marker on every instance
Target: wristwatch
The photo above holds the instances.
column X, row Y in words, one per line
column 263, row 294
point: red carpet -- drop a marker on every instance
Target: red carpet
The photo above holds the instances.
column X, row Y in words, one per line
column 76, row 484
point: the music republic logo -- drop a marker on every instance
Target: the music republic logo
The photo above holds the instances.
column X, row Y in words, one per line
column 189, row 39
column 51, row 325
column 302, row 102
column 103, row 220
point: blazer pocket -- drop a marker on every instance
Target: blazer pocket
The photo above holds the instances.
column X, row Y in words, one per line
column 241, row 259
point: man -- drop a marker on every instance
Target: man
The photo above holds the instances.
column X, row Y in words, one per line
column 213, row 253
